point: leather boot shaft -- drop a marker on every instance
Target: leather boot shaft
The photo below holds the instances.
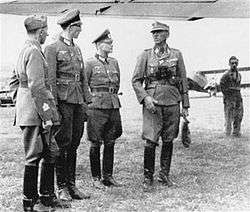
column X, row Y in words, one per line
column 94, row 155
column 108, row 164
column 61, row 170
column 74, row 192
column 108, row 161
column 166, row 157
column 30, row 182
column 149, row 162
column 47, row 179
column 71, row 163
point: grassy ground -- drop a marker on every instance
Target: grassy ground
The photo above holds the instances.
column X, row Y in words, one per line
column 212, row 175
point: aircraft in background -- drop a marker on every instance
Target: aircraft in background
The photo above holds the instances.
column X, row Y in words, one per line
column 186, row 10
column 189, row 10
column 200, row 82
column 6, row 98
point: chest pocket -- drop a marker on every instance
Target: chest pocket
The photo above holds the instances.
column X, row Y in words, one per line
column 152, row 67
column 76, row 58
column 79, row 58
column 113, row 74
column 172, row 66
column 98, row 71
column 78, row 54
column 63, row 56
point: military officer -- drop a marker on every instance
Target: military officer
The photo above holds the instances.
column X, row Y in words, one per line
column 233, row 105
column 36, row 114
column 69, row 87
column 104, row 120
column 162, row 70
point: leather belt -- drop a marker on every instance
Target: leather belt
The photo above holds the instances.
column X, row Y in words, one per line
column 105, row 89
column 71, row 76
column 160, row 82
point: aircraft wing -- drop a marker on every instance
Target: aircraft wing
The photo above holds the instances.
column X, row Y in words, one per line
column 193, row 85
column 200, row 83
column 223, row 70
column 171, row 9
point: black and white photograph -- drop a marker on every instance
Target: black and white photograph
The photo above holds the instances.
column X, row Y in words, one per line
column 124, row 105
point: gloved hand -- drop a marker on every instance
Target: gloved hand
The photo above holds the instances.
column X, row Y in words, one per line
column 150, row 103
column 185, row 133
column 185, row 112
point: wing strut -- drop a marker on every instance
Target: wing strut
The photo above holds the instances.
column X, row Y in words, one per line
column 101, row 10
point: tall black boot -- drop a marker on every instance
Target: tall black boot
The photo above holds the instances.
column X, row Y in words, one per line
column 47, row 190
column 74, row 192
column 107, row 165
column 61, row 175
column 30, row 187
column 149, row 164
column 47, row 179
column 94, row 156
column 166, row 156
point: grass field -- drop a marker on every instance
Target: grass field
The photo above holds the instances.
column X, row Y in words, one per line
column 212, row 175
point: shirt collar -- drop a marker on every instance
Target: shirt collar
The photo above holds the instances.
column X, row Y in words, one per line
column 233, row 71
column 164, row 52
column 101, row 58
column 161, row 52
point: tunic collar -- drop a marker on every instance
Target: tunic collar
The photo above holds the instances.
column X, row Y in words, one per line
column 234, row 74
column 66, row 41
column 161, row 52
column 101, row 58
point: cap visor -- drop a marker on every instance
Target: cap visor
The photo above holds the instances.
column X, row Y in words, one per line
column 76, row 22
column 158, row 29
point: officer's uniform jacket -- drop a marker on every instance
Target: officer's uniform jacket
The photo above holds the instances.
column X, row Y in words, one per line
column 35, row 101
column 230, row 85
column 66, row 72
column 170, row 86
column 103, row 76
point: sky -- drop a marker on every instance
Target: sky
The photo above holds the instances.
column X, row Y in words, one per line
column 205, row 44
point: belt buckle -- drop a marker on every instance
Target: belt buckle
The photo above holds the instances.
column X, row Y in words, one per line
column 111, row 90
column 77, row 77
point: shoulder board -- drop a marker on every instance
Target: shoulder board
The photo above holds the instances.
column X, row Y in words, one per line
column 29, row 49
column 226, row 72
column 173, row 49
column 32, row 47
column 112, row 59
column 52, row 45
column 91, row 59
